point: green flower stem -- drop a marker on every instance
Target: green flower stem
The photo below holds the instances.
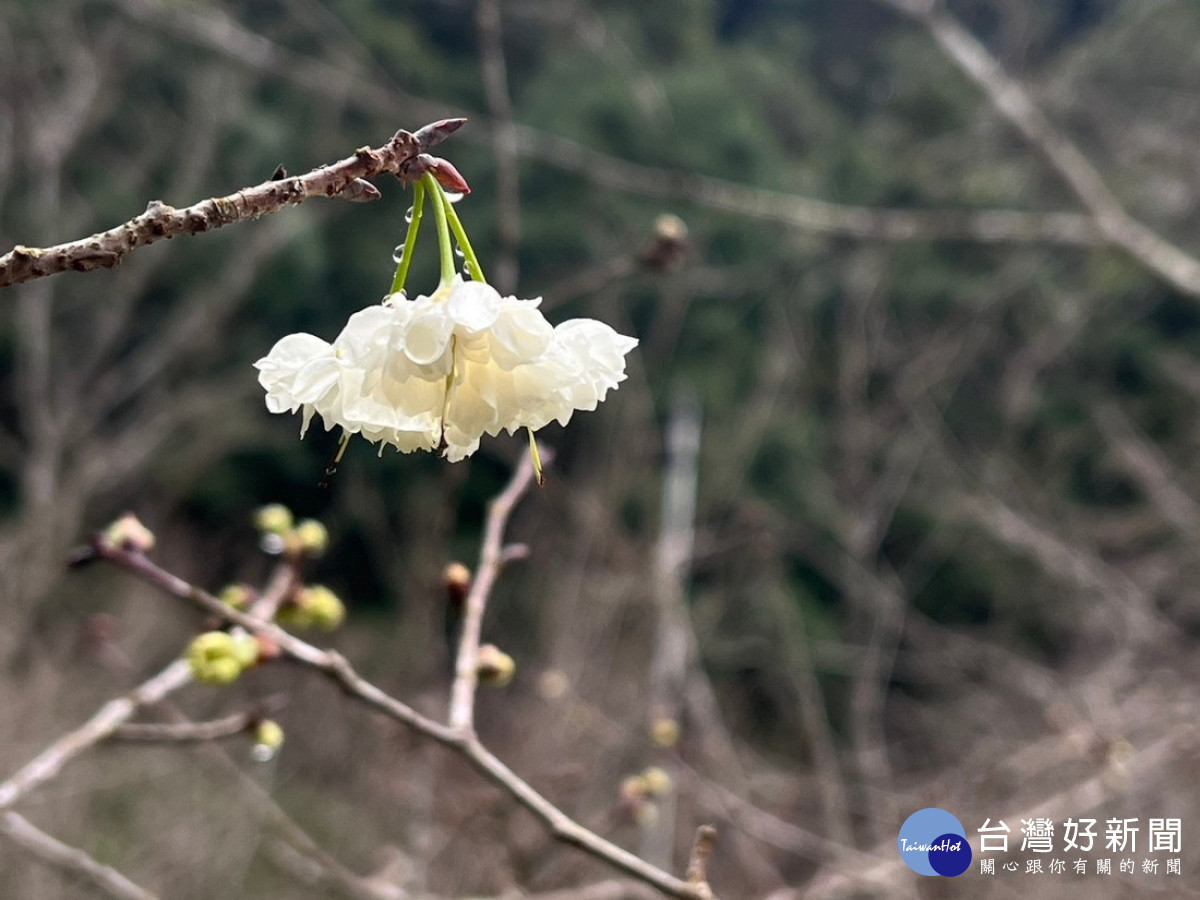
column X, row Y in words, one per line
column 439, row 212
column 460, row 235
column 410, row 238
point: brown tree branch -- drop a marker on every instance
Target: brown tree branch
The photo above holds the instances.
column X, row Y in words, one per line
column 47, row 764
column 188, row 732
column 1013, row 102
column 221, row 34
column 399, row 156
column 71, row 860
column 492, row 556
column 464, row 742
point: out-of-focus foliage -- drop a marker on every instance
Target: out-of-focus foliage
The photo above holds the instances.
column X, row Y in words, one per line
column 970, row 464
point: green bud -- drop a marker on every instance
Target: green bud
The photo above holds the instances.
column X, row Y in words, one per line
column 493, row 666
column 314, row 606
column 274, row 518
column 312, row 537
column 215, row 658
column 129, row 533
column 656, row 781
column 236, row 595
column 269, row 734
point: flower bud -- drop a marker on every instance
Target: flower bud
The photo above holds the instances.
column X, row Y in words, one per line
column 656, row 781
column 215, row 658
column 129, row 533
column 245, row 650
column 324, row 606
column 457, row 579
column 633, row 788
column 311, row 537
column 664, row 731
column 269, row 733
column 493, row 666
column 236, row 595
column 314, row 606
column 274, row 518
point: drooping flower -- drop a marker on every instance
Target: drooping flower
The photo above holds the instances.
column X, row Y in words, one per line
column 441, row 371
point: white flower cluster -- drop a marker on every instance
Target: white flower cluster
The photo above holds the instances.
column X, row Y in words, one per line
column 442, row 371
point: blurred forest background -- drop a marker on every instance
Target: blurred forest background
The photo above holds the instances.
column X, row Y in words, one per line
column 946, row 544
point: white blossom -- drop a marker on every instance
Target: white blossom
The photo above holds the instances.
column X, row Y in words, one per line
column 444, row 370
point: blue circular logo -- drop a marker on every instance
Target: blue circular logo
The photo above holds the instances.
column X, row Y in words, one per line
column 933, row 842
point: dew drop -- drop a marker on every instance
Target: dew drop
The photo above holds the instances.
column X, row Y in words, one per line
column 398, row 254
column 469, row 270
column 262, row 753
column 408, row 216
column 272, row 544
column 453, row 196
column 458, row 252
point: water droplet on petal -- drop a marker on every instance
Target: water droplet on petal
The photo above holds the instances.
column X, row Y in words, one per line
column 453, row 196
column 398, row 254
column 408, row 216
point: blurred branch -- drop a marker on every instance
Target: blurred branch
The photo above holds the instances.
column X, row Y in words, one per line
column 70, row 859
column 47, row 764
column 189, row 732
column 221, row 34
column 460, row 740
column 399, row 156
column 1014, row 103
column 504, row 267
column 673, row 650
column 1152, row 471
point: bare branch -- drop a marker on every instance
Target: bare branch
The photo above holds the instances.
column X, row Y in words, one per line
column 189, row 732
column 70, row 859
column 462, row 694
column 221, row 34
column 1014, row 103
column 47, row 764
column 702, row 846
column 106, row 249
column 462, row 741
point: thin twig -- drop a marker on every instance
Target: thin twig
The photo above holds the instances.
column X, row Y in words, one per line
column 462, row 693
column 71, row 860
column 221, row 34
column 106, row 249
column 47, row 764
column 702, row 846
column 463, row 742
column 189, row 732
column 1013, row 102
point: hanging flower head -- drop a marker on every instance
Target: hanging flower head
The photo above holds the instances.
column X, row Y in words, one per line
column 441, row 371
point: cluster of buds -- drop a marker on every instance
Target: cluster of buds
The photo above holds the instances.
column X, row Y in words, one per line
column 312, row 606
column 218, row 657
column 281, row 533
column 638, row 793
